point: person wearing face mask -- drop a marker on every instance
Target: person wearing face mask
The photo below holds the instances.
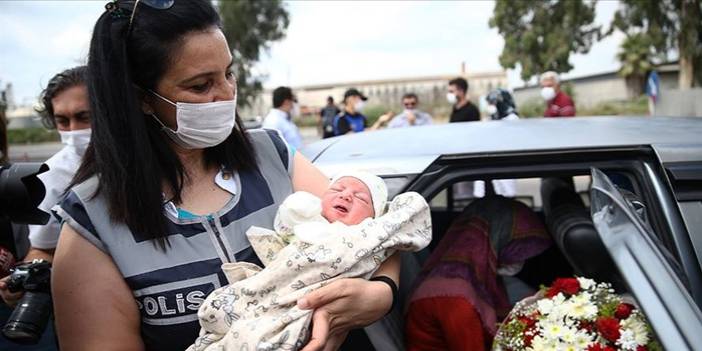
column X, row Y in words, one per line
column 168, row 185
column 280, row 118
column 501, row 105
column 463, row 110
column 411, row 116
column 351, row 120
column 65, row 107
column 558, row 103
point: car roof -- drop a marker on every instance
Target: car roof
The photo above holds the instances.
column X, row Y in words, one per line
column 408, row 150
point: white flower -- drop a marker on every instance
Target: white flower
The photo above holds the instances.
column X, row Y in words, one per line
column 580, row 307
column 538, row 343
column 583, row 339
column 545, row 306
column 552, row 331
column 638, row 329
column 626, row 340
column 568, row 335
column 585, row 283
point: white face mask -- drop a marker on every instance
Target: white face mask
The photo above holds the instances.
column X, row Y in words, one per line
column 491, row 109
column 451, row 98
column 76, row 138
column 201, row 125
column 548, row 93
column 359, row 105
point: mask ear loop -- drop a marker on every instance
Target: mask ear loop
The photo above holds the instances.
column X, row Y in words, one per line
column 163, row 126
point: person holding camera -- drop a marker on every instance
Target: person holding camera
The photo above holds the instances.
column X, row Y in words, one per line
column 63, row 106
column 168, row 186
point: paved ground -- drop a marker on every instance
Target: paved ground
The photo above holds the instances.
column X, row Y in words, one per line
column 41, row 152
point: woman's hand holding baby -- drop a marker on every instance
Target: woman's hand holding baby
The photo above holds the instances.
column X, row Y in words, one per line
column 341, row 306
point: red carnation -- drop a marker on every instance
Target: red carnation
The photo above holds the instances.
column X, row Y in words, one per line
column 596, row 347
column 567, row 286
column 529, row 322
column 623, row 311
column 641, row 348
column 585, row 325
column 608, row 328
column 529, row 338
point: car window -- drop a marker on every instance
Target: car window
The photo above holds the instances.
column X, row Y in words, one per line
column 527, row 191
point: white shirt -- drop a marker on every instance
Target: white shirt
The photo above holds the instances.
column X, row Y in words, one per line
column 228, row 184
column 422, row 119
column 278, row 120
column 62, row 166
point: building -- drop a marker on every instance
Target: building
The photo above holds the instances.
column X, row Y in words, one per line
column 388, row 93
column 594, row 89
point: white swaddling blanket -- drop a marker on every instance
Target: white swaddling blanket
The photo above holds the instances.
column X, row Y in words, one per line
column 258, row 311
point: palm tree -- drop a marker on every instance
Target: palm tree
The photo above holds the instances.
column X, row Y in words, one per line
column 636, row 55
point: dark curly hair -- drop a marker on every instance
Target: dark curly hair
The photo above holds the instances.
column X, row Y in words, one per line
column 60, row 82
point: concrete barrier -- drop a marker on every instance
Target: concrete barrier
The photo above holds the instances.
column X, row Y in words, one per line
column 680, row 103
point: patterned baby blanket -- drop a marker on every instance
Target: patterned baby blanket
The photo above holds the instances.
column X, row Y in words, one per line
column 258, row 311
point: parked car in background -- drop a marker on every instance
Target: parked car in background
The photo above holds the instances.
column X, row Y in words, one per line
column 621, row 198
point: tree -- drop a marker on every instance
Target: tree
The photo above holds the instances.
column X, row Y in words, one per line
column 250, row 27
column 670, row 25
column 636, row 56
column 541, row 35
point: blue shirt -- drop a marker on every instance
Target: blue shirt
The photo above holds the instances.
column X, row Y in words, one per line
column 346, row 122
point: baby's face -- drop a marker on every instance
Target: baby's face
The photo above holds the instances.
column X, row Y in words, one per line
column 348, row 201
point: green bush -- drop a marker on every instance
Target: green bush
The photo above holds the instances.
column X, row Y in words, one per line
column 532, row 108
column 635, row 107
column 32, row 135
column 373, row 112
column 308, row 120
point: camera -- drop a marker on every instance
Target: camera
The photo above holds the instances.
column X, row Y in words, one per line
column 20, row 194
column 29, row 318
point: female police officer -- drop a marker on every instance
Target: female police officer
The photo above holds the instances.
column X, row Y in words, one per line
column 168, row 186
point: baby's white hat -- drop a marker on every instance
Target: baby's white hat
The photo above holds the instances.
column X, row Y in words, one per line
column 376, row 185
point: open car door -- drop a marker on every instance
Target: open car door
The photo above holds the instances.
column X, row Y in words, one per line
column 645, row 267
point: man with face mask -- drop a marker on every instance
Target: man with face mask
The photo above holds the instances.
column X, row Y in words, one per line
column 280, row 118
column 65, row 107
column 411, row 116
column 558, row 103
column 463, row 110
column 351, row 120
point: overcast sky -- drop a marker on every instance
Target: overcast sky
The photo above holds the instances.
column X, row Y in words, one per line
column 326, row 42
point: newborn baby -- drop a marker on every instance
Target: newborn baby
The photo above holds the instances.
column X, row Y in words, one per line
column 316, row 241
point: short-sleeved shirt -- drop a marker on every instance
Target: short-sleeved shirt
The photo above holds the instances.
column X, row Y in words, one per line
column 561, row 106
column 169, row 285
column 62, row 167
column 465, row 113
column 346, row 122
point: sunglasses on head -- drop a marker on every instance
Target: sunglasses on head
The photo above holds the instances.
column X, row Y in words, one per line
column 128, row 8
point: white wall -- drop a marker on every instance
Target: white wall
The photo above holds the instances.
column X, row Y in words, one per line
column 685, row 103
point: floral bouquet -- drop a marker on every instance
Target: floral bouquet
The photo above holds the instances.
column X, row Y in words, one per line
column 575, row 314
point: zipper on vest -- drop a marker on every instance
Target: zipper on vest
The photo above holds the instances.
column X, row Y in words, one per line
column 213, row 225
